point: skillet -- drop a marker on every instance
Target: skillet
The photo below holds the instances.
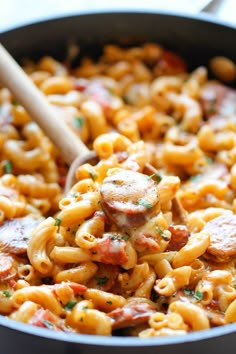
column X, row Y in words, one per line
column 197, row 38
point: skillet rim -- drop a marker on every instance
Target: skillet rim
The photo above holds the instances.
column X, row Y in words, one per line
column 75, row 338
column 201, row 16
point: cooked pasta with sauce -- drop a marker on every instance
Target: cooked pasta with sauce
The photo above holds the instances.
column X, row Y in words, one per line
column 144, row 243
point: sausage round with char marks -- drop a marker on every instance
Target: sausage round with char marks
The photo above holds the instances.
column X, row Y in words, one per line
column 129, row 197
column 218, row 100
column 15, row 234
column 222, row 232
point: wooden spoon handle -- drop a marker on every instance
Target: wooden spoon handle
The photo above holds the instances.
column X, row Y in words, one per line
column 33, row 100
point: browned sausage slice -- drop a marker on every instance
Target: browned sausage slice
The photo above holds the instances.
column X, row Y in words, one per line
column 222, row 232
column 15, row 233
column 132, row 314
column 218, row 99
column 128, row 197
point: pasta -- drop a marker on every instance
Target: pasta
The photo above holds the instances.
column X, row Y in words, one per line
column 144, row 242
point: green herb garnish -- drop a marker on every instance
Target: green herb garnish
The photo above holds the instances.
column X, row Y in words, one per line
column 102, row 280
column 198, row 295
column 109, row 302
column 7, row 166
column 70, row 305
column 144, row 203
column 85, row 308
column 195, row 177
column 156, row 176
column 57, row 222
column 162, row 233
column 92, row 175
column 79, row 122
column 118, row 237
column 6, row 293
column 208, row 159
column 187, row 292
column 48, row 324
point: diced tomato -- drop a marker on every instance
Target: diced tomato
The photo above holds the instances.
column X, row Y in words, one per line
column 81, row 84
column 179, row 237
column 62, row 181
column 111, row 251
column 78, row 289
column 171, row 63
column 46, row 319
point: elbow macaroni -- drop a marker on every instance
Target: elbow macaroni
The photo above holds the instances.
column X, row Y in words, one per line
column 78, row 270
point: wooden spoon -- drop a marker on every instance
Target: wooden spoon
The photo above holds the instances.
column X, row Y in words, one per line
column 72, row 149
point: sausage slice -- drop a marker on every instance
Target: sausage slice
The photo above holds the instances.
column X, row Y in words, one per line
column 137, row 311
column 128, row 197
column 222, row 232
column 15, row 233
column 218, row 99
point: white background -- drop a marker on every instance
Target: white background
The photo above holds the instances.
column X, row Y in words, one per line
column 17, row 12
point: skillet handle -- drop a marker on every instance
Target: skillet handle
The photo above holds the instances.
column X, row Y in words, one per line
column 33, row 100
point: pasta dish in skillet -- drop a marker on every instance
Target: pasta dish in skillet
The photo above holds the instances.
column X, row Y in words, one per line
column 144, row 243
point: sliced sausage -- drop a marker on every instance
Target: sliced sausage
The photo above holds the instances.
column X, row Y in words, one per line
column 110, row 249
column 128, row 197
column 179, row 237
column 132, row 314
column 46, row 319
column 7, row 271
column 222, row 232
column 15, row 234
column 217, row 99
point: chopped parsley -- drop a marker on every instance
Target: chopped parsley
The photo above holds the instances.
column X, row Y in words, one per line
column 156, row 176
column 195, row 177
column 48, row 324
column 85, row 308
column 70, row 305
column 79, row 122
column 187, row 292
column 144, row 203
column 102, row 280
column 92, row 175
column 208, row 159
column 15, row 103
column 162, row 233
column 73, row 232
column 118, row 237
column 6, row 293
column 75, row 195
column 57, row 222
column 198, row 295
column 7, row 166
column 109, row 302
